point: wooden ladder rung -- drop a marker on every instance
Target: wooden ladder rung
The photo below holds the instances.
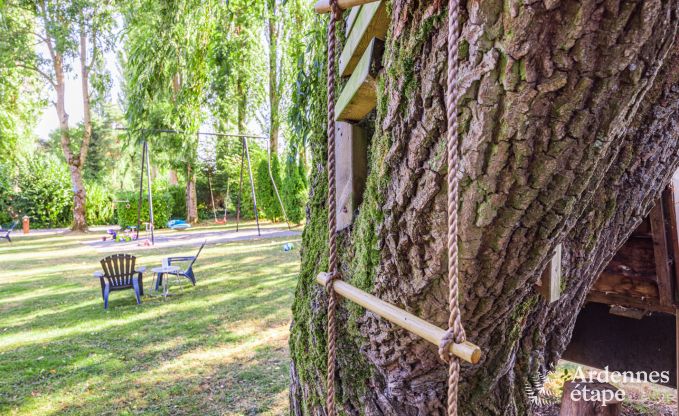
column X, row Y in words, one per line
column 465, row 351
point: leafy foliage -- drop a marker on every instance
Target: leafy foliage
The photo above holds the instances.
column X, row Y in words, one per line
column 100, row 208
column 266, row 194
column 294, row 191
column 162, row 208
column 178, row 207
column 20, row 99
column 44, row 192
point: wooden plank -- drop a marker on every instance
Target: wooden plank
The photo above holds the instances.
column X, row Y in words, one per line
column 648, row 304
column 465, row 351
column 351, row 152
column 351, row 19
column 625, row 312
column 323, row 6
column 632, row 287
column 662, row 264
column 635, row 259
column 359, row 96
column 550, row 281
column 372, row 22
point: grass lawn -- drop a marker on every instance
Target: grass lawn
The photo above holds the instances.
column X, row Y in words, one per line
column 219, row 348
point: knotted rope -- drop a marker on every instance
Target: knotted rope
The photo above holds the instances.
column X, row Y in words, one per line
column 332, row 225
column 455, row 333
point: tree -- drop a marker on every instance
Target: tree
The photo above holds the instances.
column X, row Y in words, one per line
column 167, row 78
column 65, row 30
column 285, row 22
column 274, row 26
column 570, row 130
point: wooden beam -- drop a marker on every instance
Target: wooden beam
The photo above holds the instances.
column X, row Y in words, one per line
column 550, row 281
column 649, row 304
column 465, row 351
column 359, row 96
column 323, row 6
column 372, row 22
column 625, row 312
column 632, row 287
column 662, row 263
column 351, row 149
column 351, row 19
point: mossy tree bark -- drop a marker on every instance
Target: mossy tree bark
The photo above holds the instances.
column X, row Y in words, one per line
column 570, row 129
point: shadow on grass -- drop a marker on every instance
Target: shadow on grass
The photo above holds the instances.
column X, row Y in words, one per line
column 217, row 348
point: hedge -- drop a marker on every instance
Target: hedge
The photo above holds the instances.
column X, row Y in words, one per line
column 162, row 208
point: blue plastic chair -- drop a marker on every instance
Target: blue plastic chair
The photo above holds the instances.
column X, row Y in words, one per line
column 186, row 272
column 5, row 233
column 120, row 274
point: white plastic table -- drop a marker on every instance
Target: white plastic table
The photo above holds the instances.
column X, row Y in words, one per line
column 165, row 270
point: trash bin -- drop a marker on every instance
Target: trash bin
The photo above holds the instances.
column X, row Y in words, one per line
column 26, row 224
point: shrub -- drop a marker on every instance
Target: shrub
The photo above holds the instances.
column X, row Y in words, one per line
column 100, row 210
column 178, row 195
column 267, row 201
column 294, row 192
column 44, row 192
column 162, row 207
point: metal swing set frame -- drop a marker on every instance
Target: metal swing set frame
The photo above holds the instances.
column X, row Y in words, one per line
column 245, row 155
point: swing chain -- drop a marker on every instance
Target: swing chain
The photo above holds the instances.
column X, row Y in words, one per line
column 335, row 15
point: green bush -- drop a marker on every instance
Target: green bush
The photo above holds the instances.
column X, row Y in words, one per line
column 162, row 208
column 267, row 201
column 44, row 192
column 294, row 192
column 100, row 210
column 178, row 194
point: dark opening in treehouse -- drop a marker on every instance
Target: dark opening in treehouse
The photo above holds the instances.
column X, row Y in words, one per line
column 628, row 323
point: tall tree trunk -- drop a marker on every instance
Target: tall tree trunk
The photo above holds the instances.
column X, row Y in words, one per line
column 73, row 160
column 172, row 177
column 242, row 105
column 570, row 129
column 87, row 111
column 274, row 81
column 80, row 195
column 191, row 197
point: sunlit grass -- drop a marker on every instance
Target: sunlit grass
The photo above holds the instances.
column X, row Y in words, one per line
column 219, row 348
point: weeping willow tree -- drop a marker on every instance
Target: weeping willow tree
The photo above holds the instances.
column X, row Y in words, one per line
column 167, row 79
column 569, row 131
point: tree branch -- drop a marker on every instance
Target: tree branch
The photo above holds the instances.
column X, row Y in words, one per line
column 37, row 70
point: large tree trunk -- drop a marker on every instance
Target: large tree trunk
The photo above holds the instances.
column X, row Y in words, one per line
column 570, row 129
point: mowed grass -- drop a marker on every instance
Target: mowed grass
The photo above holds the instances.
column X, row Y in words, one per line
column 219, row 348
